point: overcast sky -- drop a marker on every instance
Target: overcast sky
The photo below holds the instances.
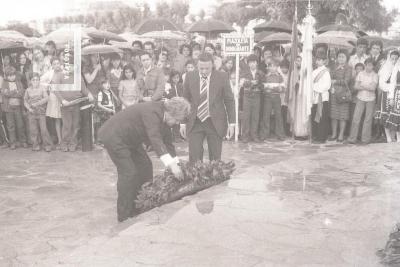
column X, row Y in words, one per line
column 26, row 10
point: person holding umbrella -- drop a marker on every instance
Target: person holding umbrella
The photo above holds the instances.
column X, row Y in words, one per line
column 123, row 136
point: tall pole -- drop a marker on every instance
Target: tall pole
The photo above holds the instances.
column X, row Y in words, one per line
column 237, row 98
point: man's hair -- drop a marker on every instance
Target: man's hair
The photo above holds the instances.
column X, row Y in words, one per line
column 51, row 43
column 115, row 56
column 177, row 107
column 395, row 53
column 344, row 52
column 185, row 46
column 190, row 61
column 144, row 53
column 206, row 57
column 376, row 42
column 139, row 43
column 149, row 43
column 369, row 61
column 359, row 64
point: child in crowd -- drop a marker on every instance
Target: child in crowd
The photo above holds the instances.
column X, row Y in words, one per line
column 273, row 87
column 129, row 91
column 252, row 83
column 12, row 93
column 105, row 104
column 284, row 72
column 190, row 65
column 35, row 101
column 366, row 84
column 320, row 109
column 114, row 76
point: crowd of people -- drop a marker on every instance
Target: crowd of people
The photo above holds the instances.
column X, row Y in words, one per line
column 356, row 96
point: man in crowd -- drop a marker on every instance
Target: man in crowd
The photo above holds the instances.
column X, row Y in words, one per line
column 361, row 53
column 211, row 97
column 150, row 79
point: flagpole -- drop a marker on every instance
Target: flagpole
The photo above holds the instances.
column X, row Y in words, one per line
column 309, row 7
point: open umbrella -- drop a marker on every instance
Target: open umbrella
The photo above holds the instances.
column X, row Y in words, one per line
column 164, row 35
column 127, row 47
column 100, row 49
column 341, row 27
column 274, row 26
column 63, row 36
column 103, row 36
column 278, row 37
column 337, row 38
column 160, row 24
column 211, row 26
column 258, row 36
column 10, row 35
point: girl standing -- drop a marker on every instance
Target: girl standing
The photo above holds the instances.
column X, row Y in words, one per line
column 129, row 92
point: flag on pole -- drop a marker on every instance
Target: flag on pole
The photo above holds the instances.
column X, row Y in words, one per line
column 293, row 73
column 305, row 94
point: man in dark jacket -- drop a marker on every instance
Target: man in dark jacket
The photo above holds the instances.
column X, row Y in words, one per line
column 123, row 136
column 210, row 94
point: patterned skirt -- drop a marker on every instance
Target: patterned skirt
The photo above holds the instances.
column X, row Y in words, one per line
column 339, row 111
column 382, row 114
column 393, row 121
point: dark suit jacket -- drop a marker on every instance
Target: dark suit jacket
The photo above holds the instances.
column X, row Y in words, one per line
column 221, row 99
column 137, row 124
column 152, row 84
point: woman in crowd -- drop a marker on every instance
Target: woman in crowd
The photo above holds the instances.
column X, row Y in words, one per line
column 341, row 75
column 386, row 86
column 210, row 49
column 228, row 65
column 93, row 74
column 114, row 76
column 51, row 51
column 24, row 68
column 163, row 61
column 129, row 92
column 185, row 53
column 39, row 65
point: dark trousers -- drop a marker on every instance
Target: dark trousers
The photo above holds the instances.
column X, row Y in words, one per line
column 134, row 168
column 15, row 125
column 251, row 116
column 86, row 132
column 3, row 131
column 320, row 130
column 286, row 124
column 70, row 128
column 38, row 131
column 272, row 102
column 201, row 131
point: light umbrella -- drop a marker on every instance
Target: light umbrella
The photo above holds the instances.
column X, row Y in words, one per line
column 14, row 36
column 274, row 26
column 100, row 49
column 278, row 37
column 104, row 36
column 210, row 26
column 164, row 35
column 342, row 27
column 63, row 36
column 336, row 38
column 159, row 24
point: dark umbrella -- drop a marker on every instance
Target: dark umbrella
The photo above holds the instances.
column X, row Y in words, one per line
column 274, row 26
column 155, row 25
column 210, row 26
column 341, row 27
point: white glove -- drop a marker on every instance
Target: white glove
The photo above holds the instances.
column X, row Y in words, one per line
column 182, row 130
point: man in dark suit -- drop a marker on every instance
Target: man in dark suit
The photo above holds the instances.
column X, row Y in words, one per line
column 211, row 97
column 123, row 136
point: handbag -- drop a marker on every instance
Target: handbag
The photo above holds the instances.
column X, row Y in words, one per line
column 343, row 94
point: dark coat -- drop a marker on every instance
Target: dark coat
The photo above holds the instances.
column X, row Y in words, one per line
column 138, row 124
column 221, row 104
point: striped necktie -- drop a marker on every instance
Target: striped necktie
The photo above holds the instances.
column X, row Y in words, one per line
column 202, row 110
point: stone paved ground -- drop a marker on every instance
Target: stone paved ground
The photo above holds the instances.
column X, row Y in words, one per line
column 288, row 204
